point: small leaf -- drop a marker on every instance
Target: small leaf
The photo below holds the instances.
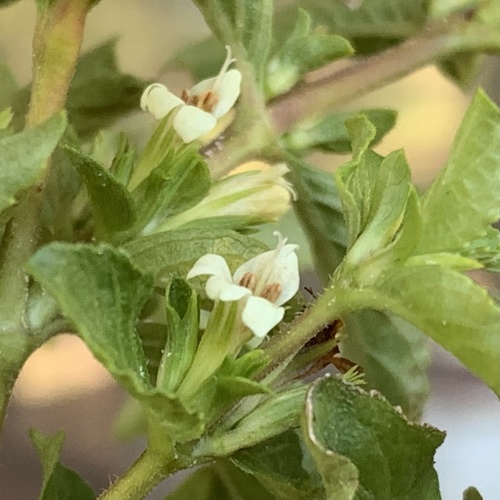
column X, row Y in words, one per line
column 471, row 493
column 348, row 428
column 220, row 481
column 59, row 483
column 283, row 466
column 175, row 252
column 23, row 156
column 330, row 133
column 112, row 205
column 319, row 209
column 244, row 24
column 464, row 199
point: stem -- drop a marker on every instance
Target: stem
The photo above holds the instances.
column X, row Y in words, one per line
column 144, row 475
column 365, row 74
column 56, row 44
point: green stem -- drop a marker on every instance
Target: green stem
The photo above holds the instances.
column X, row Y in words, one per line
column 144, row 475
column 366, row 74
column 56, row 45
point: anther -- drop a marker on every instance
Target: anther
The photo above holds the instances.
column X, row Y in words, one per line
column 271, row 292
column 248, row 280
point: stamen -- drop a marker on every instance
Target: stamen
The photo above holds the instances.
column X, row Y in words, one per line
column 185, row 96
column 207, row 100
column 271, row 292
column 223, row 70
column 269, row 267
column 248, row 280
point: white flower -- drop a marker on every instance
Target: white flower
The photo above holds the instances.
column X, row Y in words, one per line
column 264, row 283
column 200, row 107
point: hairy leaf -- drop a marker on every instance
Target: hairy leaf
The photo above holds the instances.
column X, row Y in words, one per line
column 351, row 435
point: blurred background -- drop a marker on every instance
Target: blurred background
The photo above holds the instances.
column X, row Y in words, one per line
column 62, row 386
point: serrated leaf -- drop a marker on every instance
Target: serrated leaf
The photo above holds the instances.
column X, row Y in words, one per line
column 330, row 133
column 173, row 253
column 283, row 466
column 453, row 310
column 393, row 355
column 464, row 199
column 347, row 427
column 23, row 156
column 102, row 293
column 220, row 481
column 112, row 205
column 59, row 483
column 319, row 209
column 244, row 24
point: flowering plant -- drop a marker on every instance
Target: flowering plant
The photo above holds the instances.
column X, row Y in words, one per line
column 148, row 253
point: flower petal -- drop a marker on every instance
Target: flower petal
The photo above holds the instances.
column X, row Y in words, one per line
column 210, row 264
column 218, row 288
column 279, row 266
column 260, row 315
column 191, row 123
column 228, row 92
column 159, row 101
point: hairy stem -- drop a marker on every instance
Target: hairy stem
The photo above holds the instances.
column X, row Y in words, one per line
column 369, row 73
column 56, row 45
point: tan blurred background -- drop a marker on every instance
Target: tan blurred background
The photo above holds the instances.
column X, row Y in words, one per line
column 62, row 386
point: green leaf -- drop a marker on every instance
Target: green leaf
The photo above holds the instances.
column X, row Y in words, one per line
column 180, row 180
column 23, row 156
column 449, row 307
column 303, row 51
column 243, row 25
column 354, row 431
column 373, row 25
column 464, row 199
column 112, row 205
column 319, row 209
column 102, row 293
column 393, row 355
column 98, row 94
column 59, row 483
column 283, row 466
column 471, row 493
column 330, row 133
column 173, row 253
column 485, row 250
column 220, row 481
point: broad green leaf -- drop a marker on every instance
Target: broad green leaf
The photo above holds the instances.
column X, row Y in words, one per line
column 451, row 309
column 373, row 25
column 464, row 199
column 471, row 493
column 241, row 24
column 59, row 483
column 23, row 157
column 173, row 253
column 283, row 466
column 220, row 481
column 330, row 133
column 100, row 290
column 319, row 209
column 355, row 431
column 303, row 51
column 393, row 355
column 98, row 94
column 112, row 205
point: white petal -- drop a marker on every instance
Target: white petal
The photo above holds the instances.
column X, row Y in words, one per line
column 191, row 123
column 218, row 288
column 281, row 267
column 228, row 92
column 210, row 264
column 260, row 315
column 159, row 101
column 203, row 86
